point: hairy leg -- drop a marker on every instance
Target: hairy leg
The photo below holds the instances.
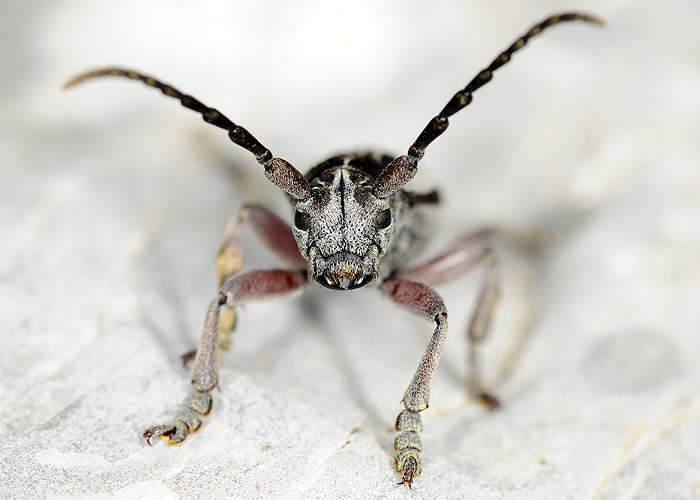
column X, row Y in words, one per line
column 235, row 288
column 422, row 301
column 472, row 251
column 273, row 233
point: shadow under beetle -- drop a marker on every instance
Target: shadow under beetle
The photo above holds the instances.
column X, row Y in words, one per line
column 354, row 224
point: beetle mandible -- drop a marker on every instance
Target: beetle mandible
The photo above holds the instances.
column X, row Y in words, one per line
column 354, row 224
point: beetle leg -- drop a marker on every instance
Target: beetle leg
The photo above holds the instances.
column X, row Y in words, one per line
column 422, row 301
column 235, row 288
column 471, row 251
column 245, row 287
column 273, row 233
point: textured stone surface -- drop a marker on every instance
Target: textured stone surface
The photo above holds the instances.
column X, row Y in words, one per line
column 584, row 152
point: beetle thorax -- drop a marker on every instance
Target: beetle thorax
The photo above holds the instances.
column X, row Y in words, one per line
column 343, row 229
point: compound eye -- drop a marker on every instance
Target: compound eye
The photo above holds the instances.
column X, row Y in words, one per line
column 301, row 221
column 384, row 219
column 364, row 280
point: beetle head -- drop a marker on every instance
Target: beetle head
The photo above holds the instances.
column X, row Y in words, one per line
column 343, row 229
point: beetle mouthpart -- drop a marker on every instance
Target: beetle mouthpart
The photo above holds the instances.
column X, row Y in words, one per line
column 344, row 271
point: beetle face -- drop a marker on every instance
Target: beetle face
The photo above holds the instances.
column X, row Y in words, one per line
column 343, row 229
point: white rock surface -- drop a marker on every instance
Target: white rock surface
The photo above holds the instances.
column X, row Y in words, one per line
column 113, row 200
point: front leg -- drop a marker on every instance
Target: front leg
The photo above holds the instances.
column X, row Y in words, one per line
column 234, row 289
column 238, row 289
column 425, row 302
column 472, row 251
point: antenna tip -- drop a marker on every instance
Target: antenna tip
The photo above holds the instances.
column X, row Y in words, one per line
column 595, row 20
column 73, row 81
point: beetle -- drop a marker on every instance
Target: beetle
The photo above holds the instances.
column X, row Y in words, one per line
column 354, row 225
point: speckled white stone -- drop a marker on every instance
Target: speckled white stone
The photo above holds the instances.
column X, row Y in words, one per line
column 113, row 200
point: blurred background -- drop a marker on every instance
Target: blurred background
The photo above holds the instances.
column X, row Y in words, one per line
column 583, row 153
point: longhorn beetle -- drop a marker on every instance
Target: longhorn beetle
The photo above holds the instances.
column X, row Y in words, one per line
column 354, row 225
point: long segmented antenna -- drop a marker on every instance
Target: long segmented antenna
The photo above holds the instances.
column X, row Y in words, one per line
column 397, row 173
column 279, row 171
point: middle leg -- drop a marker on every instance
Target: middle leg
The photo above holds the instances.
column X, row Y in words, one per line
column 273, row 233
